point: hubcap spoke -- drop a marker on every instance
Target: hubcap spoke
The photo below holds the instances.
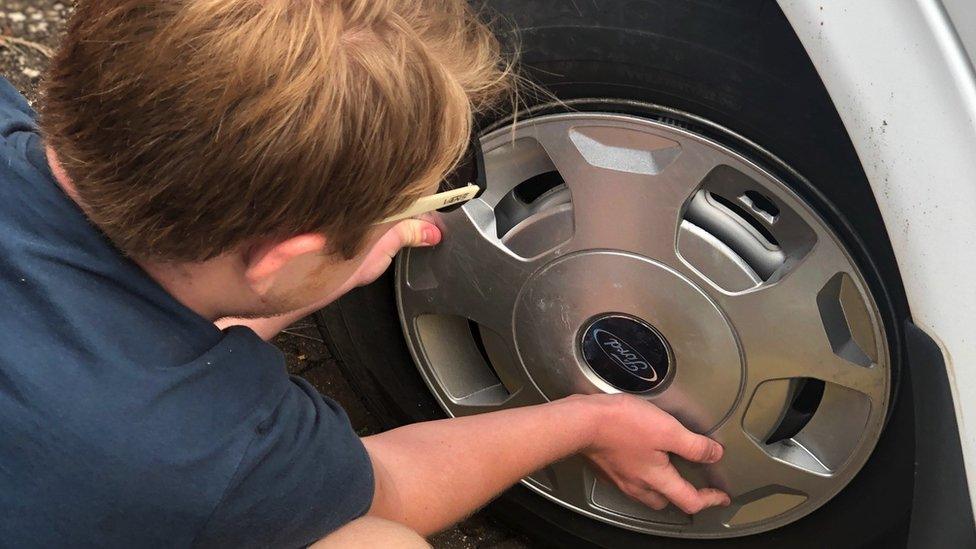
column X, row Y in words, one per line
column 746, row 469
column 525, row 396
column 782, row 328
column 628, row 185
column 570, row 479
column 469, row 274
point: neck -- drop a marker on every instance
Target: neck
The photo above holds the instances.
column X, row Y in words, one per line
column 197, row 285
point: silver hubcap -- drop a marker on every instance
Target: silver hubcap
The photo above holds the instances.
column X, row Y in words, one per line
column 762, row 329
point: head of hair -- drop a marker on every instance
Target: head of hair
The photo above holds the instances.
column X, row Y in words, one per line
column 192, row 127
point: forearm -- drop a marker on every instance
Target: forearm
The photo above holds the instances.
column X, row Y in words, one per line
column 266, row 327
column 430, row 475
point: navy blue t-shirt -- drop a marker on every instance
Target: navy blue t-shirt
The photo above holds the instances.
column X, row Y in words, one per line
column 128, row 420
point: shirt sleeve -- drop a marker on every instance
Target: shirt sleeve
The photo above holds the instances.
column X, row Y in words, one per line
column 304, row 474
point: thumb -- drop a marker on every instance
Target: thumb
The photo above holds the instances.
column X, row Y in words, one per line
column 417, row 232
column 697, row 448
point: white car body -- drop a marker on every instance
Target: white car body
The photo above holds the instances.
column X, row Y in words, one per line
column 901, row 75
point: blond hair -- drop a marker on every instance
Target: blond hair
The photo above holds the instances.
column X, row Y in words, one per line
column 190, row 127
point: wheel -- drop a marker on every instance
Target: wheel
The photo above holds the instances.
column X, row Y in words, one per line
column 690, row 225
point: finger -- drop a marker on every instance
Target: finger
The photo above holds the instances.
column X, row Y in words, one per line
column 407, row 233
column 694, row 447
column 652, row 499
column 417, row 232
column 681, row 492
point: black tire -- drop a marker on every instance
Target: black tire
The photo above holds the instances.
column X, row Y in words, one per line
column 737, row 64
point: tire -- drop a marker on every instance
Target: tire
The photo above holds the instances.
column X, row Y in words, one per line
column 737, row 64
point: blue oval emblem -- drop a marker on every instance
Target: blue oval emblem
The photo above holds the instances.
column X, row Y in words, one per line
column 626, row 352
column 624, row 355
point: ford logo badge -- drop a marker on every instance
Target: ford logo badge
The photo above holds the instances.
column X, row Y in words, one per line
column 624, row 355
column 626, row 352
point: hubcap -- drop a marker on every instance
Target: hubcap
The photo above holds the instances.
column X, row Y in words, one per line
column 614, row 253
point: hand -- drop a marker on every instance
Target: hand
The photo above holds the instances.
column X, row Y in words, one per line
column 405, row 234
column 632, row 446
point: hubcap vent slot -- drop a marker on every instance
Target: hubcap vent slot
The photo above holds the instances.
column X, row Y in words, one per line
column 463, row 347
column 738, row 237
column 807, row 394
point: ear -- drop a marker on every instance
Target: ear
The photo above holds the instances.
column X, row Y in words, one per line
column 267, row 261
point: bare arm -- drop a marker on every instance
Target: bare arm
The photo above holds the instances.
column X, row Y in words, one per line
column 431, row 475
column 268, row 327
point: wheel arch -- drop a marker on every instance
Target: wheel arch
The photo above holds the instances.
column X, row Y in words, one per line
column 914, row 132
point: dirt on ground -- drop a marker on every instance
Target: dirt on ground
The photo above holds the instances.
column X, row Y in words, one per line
column 29, row 32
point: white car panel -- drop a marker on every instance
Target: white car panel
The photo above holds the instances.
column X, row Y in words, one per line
column 900, row 77
column 962, row 13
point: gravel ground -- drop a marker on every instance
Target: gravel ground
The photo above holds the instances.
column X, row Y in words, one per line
column 29, row 30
